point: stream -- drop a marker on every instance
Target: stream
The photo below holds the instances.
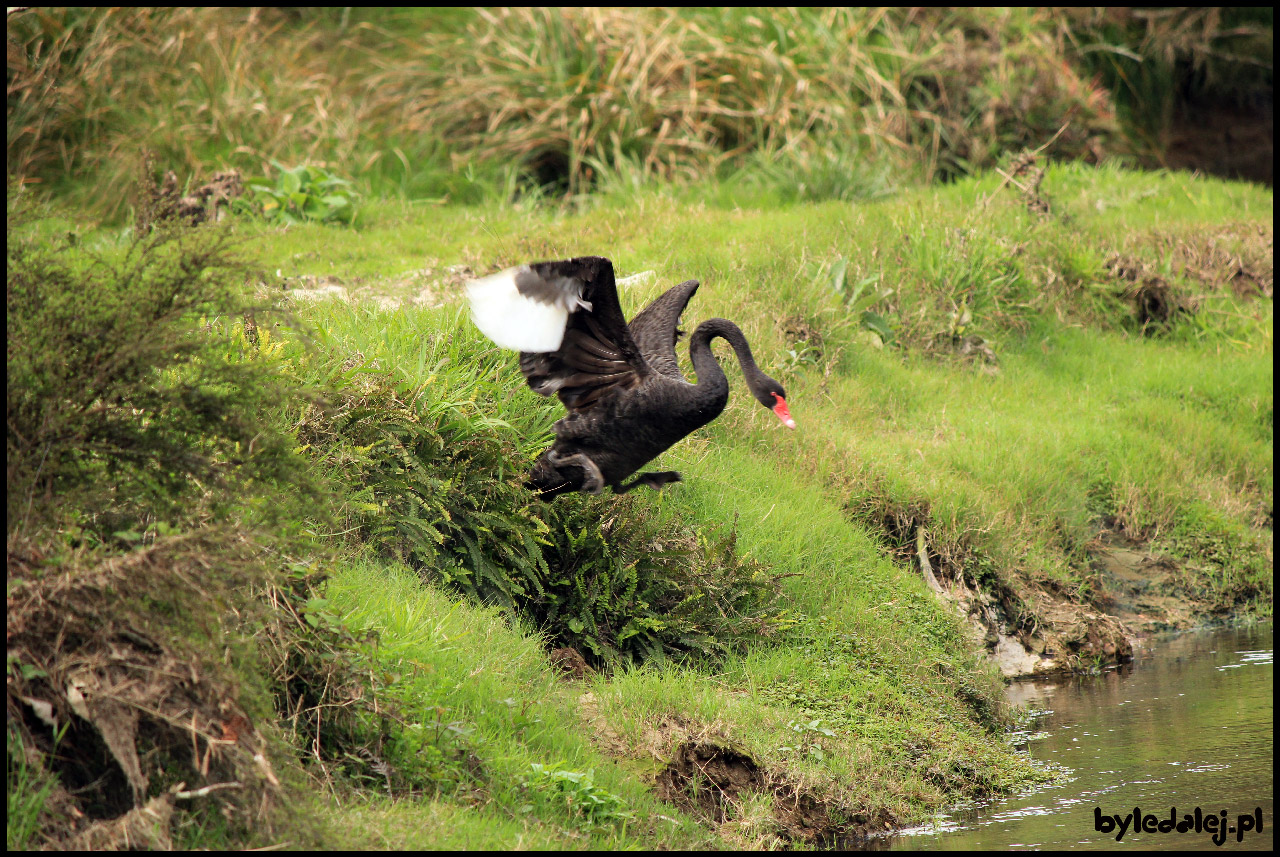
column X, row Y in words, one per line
column 1186, row 728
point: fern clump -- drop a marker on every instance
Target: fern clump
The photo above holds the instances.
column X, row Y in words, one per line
column 634, row 584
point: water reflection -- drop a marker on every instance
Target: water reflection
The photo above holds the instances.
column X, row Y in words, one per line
column 1187, row 724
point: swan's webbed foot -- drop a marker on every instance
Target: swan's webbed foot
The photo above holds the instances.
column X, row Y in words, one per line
column 593, row 479
column 654, row 480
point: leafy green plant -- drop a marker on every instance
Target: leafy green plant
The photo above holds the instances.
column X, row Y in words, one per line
column 579, row 792
column 304, row 192
column 808, row 732
column 859, row 297
column 803, row 354
column 628, row 584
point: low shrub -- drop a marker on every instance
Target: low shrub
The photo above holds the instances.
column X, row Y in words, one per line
column 132, row 389
column 300, row 193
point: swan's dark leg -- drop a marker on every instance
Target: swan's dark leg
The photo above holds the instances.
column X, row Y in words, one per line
column 593, row 481
column 653, row 480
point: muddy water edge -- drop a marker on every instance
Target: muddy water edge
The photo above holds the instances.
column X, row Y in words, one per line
column 1186, row 727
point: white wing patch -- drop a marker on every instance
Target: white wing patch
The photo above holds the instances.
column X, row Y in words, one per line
column 512, row 320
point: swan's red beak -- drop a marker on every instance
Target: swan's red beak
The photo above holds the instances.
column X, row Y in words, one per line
column 783, row 412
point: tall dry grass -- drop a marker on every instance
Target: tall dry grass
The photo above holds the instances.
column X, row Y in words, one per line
column 203, row 88
column 436, row 104
column 568, row 92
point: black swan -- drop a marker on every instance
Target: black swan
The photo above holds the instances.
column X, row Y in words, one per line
column 627, row 400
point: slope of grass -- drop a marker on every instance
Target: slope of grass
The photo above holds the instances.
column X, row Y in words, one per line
column 874, row 693
column 476, row 685
column 1034, row 430
column 853, row 688
column 1025, row 458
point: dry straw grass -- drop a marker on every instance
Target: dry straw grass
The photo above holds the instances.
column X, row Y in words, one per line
column 201, row 87
column 569, row 91
column 554, row 96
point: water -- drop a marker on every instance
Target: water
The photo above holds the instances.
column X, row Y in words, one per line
column 1188, row 724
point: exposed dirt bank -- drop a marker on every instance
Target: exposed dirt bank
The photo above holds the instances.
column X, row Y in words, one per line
column 1137, row 592
column 745, row 802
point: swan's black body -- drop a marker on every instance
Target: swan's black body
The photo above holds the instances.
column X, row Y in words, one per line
column 621, row 384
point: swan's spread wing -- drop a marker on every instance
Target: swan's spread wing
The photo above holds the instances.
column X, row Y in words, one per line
column 523, row 310
column 654, row 329
column 566, row 320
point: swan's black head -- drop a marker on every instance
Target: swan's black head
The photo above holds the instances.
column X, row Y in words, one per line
column 769, row 393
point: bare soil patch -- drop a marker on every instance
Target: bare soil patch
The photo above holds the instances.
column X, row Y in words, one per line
column 1139, row 589
column 433, row 285
column 1156, row 303
column 1031, row 627
column 570, row 663
column 713, row 781
column 1027, row 626
column 1237, row 257
column 703, row 772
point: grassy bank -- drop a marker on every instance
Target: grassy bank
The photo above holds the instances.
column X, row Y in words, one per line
column 1016, row 469
column 273, row 576
column 1001, row 386
column 1013, row 422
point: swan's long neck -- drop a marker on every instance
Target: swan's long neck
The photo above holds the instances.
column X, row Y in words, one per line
column 711, row 379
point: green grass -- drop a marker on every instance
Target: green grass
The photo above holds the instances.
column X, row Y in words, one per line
column 1018, row 465
column 985, row 432
column 866, row 693
column 482, row 672
column 28, row 790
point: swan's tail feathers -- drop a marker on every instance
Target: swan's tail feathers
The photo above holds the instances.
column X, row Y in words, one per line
column 514, row 320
